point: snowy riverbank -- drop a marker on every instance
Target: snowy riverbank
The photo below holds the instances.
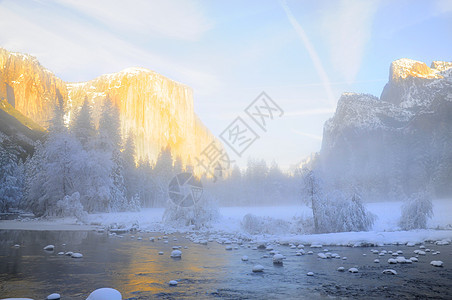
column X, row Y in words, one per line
column 385, row 230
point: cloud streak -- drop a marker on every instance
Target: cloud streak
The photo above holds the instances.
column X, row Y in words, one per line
column 312, row 53
column 310, row 112
column 182, row 19
column 74, row 48
column 308, row 135
column 347, row 25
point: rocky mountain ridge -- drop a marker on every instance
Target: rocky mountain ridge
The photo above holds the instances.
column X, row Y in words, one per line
column 399, row 143
column 156, row 110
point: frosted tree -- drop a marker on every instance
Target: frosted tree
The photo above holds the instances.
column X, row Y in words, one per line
column 130, row 169
column 178, row 166
column 162, row 174
column 83, row 126
column 109, row 144
column 255, row 181
column 276, row 184
column 11, row 179
column 70, row 206
column 146, row 185
column 109, row 136
column 416, row 211
column 34, row 178
column 53, row 168
column 311, row 193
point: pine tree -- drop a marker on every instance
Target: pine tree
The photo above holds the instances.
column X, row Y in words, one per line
column 162, row 174
column 83, row 126
column 109, row 143
column 11, row 179
column 130, row 169
column 146, row 185
column 53, row 168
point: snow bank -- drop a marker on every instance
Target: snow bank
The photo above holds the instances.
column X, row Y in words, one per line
column 385, row 229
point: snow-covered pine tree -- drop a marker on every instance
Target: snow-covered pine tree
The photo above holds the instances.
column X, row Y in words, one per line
column 11, row 178
column 53, row 169
column 130, row 168
column 162, row 174
column 109, row 143
column 83, row 126
column 146, row 185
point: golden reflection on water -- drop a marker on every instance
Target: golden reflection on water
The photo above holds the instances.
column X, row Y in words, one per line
column 147, row 271
column 131, row 266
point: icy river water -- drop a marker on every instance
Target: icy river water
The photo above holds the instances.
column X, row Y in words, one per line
column 135, row 268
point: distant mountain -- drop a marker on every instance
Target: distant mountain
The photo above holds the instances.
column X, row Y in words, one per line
column 156, row 110
column 399, row 143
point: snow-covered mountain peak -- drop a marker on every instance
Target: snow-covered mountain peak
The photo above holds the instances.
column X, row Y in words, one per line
column 441, row 65
column 405, row 67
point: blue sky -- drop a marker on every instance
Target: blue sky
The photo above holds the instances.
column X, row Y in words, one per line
column 303, row 54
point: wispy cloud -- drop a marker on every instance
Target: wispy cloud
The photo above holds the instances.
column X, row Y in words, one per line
column 312, row 52
column 310, row 112
column 74, row 48
column 181, row 19
column 309, row 135
column 347, row 27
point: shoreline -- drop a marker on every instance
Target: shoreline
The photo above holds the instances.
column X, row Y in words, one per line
column 44, row 226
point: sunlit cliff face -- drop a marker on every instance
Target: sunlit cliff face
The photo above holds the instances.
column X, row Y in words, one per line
column 157, row 111
column 29, row 87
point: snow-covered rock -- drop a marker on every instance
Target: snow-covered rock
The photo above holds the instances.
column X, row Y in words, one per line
column 443, row 242
column 436, row 263
column 389, row 272
column 401, row 259
column 321, row 255
column 341, row 269
column 173, row 283
column 161, row 253
column 392, row 261
column 258, row 268
column 49, row 247
column 244, row 258
column 54, row 296
column 353, row 270
column 105, row 294
column 310, row 273
column 377, row 261
column 76, row 255
column 278, row 259
column 176, row 254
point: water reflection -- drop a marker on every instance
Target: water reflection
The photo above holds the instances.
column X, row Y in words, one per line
column 135, row 268
column 129, row 265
